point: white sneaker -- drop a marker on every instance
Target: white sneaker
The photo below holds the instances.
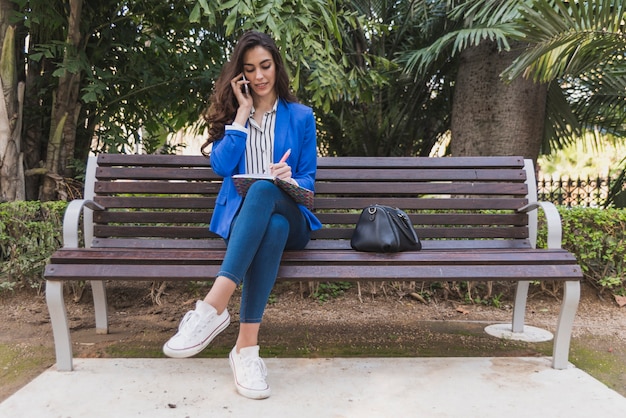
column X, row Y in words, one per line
column 196, row 330
column 250, row 372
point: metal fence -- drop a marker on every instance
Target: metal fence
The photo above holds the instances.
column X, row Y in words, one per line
column 590, row 192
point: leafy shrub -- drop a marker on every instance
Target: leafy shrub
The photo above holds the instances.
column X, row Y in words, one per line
column 29, row 233
column 597, row 237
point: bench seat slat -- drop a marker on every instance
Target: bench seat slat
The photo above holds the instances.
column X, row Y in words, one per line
column 316, row 256
column 320, row 272
column 432, row 273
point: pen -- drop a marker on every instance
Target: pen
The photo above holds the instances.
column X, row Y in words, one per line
column 285, row 156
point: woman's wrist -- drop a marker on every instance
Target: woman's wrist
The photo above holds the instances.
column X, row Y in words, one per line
column 243, row 113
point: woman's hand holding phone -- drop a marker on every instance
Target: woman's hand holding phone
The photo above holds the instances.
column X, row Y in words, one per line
column 246, row 89
column 241, row 90
column 240, row 87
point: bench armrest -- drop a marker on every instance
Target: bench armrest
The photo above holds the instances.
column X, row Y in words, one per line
column 71, row 222
column 553, row 221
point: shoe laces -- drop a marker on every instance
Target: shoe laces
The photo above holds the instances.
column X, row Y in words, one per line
column 189, row 322
column 254, row 370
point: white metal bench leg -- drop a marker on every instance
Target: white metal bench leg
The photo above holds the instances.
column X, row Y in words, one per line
column 98, row 290
column 563, row 336
column 60, row 326
column 520, row 332
column 519, row 308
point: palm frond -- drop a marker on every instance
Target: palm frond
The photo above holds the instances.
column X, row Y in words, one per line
column 453, row 43
column 562, row 126
column 618, row 188
column 570, row 38
column 487, row 12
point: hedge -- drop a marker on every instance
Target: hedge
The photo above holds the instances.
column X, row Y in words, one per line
column 31, row 231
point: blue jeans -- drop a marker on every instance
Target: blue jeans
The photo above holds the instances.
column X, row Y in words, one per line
column 268, row 223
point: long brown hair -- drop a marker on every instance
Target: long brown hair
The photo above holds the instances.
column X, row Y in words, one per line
column 223, row 103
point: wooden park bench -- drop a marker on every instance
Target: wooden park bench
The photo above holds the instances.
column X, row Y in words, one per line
column 145, row 217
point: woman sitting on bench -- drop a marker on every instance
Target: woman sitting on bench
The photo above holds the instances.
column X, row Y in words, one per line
column 254, row 120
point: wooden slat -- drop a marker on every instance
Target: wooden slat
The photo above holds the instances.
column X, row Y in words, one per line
column 437, row 219
column 421, row 162
column 324, row 162
column 152, row 231
column 431, row 273
column 408, row 203
column 318, row 272
column 315, row 243
column 439, row 233
column 176, row 231
column 153, row 160
column 439, row 245
column 319, row 256
column 175, row 202
column 155, row 173
column 350, row 219
column 158, row 187
column 420, row 188
column 145, row 217
column 151, row 243
column 420, row 174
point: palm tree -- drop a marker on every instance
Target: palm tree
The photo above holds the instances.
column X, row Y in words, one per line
column 12, row 186
column 581, row 46
column 576, row 48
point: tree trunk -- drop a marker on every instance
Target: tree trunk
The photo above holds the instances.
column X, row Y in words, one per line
column 65, row 112
column 35, row 134
column 490, row 117
column 11, row 160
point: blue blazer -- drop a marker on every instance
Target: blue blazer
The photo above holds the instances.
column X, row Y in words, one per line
column 295, row 129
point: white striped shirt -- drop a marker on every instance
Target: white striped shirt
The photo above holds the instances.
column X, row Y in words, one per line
column 260, row 142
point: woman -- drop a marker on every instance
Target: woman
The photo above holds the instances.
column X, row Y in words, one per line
column 249, row 133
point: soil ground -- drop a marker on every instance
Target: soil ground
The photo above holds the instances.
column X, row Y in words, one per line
column 380, row 320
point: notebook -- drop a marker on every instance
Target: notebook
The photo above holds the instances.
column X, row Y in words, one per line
column 300, row 194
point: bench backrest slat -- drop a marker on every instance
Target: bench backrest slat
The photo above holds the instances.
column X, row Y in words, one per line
column 448, row 199
column 146, row 202
column 429, row 175
column 421, row 162
column 157, row 187
column 154, row 231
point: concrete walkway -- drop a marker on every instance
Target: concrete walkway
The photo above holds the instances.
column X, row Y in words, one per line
column 337, row 387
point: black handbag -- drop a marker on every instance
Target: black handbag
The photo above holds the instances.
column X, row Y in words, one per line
column 384, row 229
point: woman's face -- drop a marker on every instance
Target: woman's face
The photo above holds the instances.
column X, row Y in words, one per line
column 260, row 69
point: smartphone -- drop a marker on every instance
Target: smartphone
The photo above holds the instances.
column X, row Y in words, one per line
column 245, row 89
